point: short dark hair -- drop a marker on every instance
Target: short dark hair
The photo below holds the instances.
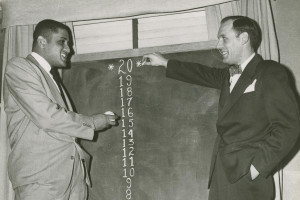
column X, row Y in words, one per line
column 245, row 24
column 45, row 28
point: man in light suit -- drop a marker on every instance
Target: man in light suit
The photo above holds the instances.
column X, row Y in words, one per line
column 258, row 119
column 46, row 161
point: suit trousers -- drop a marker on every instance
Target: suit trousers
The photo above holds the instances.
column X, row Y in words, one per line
column 77, row 189
column 245, row 188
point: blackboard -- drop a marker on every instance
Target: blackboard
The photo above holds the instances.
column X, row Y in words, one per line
column 173, row 125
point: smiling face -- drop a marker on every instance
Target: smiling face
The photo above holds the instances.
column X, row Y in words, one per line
column 56, row 49
column 229, row 44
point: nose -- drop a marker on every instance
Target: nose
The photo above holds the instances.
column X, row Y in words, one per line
column 219, row 44
column 67, row 48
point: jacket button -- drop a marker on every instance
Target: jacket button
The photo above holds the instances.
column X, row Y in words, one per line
column 72, row 157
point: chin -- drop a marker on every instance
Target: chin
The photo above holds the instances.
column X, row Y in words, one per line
column 63, row 64
column 225, row 61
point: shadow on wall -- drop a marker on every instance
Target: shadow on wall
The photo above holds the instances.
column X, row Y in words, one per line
column 296, row 148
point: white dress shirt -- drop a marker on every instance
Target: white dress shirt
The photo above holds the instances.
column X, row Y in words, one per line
column 45, row 65
column 233, row 80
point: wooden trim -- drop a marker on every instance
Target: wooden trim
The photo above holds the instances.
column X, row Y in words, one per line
column 142, row 51
column 135, row 38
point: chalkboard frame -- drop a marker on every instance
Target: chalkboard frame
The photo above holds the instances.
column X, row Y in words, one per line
column 195, row 46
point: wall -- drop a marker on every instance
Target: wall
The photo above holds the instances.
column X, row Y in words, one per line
column 286, row 16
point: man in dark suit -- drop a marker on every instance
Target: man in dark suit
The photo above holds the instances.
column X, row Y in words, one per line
column 46, row 161
column 258, row 119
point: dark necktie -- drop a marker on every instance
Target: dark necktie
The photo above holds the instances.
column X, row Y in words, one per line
column 58, row 81
column 235, row 69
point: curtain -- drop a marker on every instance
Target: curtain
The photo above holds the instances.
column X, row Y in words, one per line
column 214, row 15
column 18, row 42
column 23, row 12
column 261, row 12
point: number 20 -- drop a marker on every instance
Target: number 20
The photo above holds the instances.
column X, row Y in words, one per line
column 129, row 66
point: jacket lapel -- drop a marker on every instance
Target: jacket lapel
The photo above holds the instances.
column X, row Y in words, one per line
column 244, row 81
column 224, row 95
column 53, row 88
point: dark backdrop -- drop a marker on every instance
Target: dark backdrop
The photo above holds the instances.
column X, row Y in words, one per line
column 173, row 128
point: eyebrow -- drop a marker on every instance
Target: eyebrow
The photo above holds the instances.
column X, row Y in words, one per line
column 64, row 38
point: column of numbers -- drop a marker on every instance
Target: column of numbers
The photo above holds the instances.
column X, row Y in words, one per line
column 127, row 122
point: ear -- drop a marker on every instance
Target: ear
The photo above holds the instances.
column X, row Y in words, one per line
column 41, row 41
column 244, row 37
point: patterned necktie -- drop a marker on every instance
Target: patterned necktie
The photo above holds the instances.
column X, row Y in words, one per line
column 58, row 81
column 235, row 69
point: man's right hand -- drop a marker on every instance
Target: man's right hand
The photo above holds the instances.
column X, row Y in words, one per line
column 155, row 59
column 103, row 121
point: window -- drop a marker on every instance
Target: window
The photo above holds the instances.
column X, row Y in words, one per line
column 172, row 29
column 147, row 31
column 101, row 37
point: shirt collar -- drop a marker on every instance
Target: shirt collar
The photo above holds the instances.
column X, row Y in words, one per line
column 245, row 63
column 46, row 66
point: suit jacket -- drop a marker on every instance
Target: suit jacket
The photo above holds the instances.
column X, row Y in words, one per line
column 42, row 131
column 258, row 122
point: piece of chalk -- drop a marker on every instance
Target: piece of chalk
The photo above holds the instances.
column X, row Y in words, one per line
column 109, row 113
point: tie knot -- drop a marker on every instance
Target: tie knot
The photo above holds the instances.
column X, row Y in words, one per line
column 235, row 69
column 55, row 74
column 53, row 71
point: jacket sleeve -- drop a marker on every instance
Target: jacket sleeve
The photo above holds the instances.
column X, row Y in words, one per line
column 283, row 116
column 197, row 74
column 28, row 92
